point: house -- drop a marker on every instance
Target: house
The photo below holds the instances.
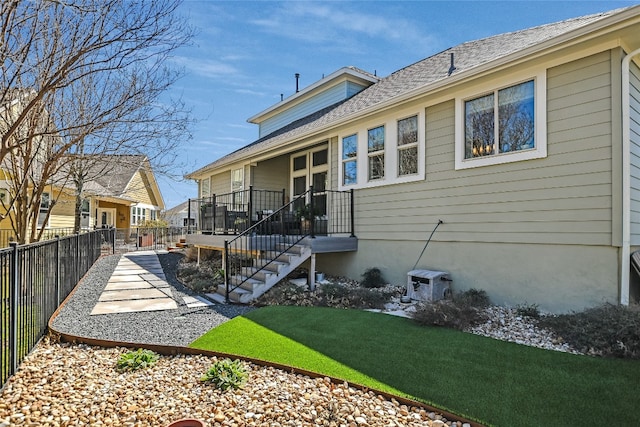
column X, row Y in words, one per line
column 517, row 155
column 179, row 216
column 126, row 195
column 121, row 193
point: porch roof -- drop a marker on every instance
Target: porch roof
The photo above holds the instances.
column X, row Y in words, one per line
column 436, row 72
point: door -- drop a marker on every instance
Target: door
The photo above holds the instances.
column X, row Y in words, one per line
column 106, row 217
column 310, row 168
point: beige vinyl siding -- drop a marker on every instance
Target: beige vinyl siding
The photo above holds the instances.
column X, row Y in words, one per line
column 221, row 183
column 138, row 190
column 634, row 92
column 562, row 199
column 272, row 174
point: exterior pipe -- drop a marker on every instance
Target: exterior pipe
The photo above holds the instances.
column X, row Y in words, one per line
column 626, row 180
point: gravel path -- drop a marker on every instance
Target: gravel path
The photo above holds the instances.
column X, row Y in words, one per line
column 167, row 327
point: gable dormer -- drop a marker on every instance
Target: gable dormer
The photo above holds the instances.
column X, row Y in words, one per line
column 336, row 87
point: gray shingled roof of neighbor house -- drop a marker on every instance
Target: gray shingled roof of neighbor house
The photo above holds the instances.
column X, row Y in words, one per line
column 121, row 169
column 420, row 76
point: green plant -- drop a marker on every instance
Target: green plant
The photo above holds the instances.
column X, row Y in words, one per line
column 226, row 374
column 477, row 298
column 372, row 278
column 306, row 212
column 138, row 359
column 528, row 310
column 608, row 330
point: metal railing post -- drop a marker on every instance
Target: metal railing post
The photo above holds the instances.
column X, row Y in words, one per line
column 15, row 292
column 250, row 206
column 113, row 240
column 353, row 220
column 188, row 216
column 226, row 270
column 312, row 213
column 137, row 238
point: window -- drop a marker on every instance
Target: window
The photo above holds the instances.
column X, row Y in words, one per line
column 375, row 148
column 44, row 203
column 349, row 160
column 505, row 125
column 205, row 186
column 320, row 157
column 84, row 213
column 408, row 146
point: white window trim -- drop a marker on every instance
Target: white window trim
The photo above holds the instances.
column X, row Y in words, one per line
column 391, row 176
column 540, row 108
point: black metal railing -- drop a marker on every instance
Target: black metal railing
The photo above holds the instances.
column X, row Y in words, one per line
column 148, row 238
column 310, row 214
column 34, row 280
column 260, row 245
column 234, row 213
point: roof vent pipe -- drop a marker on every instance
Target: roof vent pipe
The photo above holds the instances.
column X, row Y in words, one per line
column 281, row 97
column 452, row 67
column 297, row 79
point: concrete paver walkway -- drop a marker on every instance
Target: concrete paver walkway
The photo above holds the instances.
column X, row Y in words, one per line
column 137, row 284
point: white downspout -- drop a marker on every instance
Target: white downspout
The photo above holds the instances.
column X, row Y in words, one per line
column 626, row 180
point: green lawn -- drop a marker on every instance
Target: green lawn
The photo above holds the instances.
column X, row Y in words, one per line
column 491, row 381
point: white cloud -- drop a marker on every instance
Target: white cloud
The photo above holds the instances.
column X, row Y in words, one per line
column 209, row 68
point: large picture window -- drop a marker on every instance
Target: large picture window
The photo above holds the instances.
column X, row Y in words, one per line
column 349, row 160
column 504, row 125
column 375, row 148
column 500, row 122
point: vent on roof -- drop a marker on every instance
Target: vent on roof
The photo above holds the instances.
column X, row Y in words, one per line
column 452, row 67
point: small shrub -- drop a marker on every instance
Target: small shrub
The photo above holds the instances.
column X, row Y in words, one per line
column 473, row 297
column 372, row 278
column 448, row 313
column 226, row 374
column 607, row 330
column 528, row 310
column 138, row 359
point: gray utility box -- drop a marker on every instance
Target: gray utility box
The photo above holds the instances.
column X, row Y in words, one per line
column 428, row 285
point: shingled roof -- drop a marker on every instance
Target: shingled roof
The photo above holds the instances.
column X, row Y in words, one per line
column 418, row 77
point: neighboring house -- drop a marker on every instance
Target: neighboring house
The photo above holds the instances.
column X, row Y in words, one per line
column 179, row 216
column 526, row 145
column 125, row 196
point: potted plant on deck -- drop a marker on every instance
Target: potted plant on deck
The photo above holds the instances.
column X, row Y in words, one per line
column 305, row 214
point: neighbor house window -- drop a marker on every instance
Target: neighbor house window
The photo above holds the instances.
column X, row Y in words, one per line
column 504, row 125
column 375, row 150
column 408, row 146
column 84, row 213
column 349, row 160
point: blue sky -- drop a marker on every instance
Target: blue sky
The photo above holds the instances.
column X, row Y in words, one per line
column 246, row 53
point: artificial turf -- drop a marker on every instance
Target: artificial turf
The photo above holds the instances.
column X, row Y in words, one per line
column 494, row 382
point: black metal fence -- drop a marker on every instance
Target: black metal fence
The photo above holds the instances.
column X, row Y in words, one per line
column 34, row 280
column 148, row 238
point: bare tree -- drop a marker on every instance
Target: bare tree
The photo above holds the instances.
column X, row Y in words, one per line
column 97, row 68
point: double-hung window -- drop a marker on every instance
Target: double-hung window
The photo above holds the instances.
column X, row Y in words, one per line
column 375, row 149
column 504, row 125
column 384, row 152
column 350, row 160
column 408, row 146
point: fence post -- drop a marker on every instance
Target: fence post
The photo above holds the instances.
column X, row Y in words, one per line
column 113, row 240
column 15, row 292
column 57, row 281
column 137, row 237
column 77, row 263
